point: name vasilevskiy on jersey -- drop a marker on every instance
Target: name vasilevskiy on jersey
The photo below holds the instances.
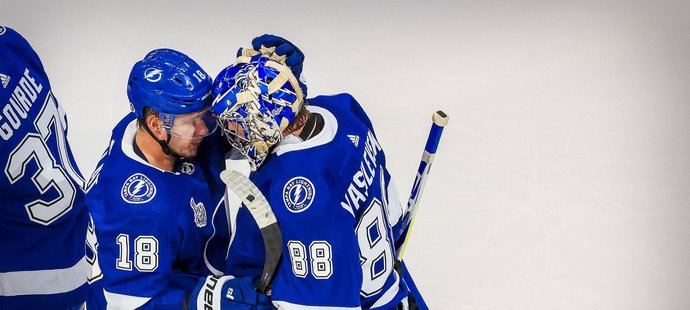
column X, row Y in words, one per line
column 358, row 190
column 23, row 97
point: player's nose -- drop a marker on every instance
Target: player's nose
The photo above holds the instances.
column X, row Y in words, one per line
column 201, row 129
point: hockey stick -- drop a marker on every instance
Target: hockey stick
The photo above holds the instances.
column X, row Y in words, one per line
column 263, row 215
column 440, row 119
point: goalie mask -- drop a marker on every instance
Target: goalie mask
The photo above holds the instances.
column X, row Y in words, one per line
column 255, row 100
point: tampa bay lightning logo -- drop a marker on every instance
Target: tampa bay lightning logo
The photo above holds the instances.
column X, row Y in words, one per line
column 298, row 194
column 138, row 189
column 153, row 74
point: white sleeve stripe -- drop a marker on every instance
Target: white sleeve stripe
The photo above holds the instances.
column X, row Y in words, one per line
column 208, row 264
column 233, row 203
column 389, row 294
column 119, row 301
column 284, row 305
column 395, row 206
column 43, row 282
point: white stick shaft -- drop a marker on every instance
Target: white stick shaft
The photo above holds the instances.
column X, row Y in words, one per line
column 440, row 120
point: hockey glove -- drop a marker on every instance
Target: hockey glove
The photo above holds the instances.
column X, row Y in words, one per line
column 294, row 58
column 228, row 293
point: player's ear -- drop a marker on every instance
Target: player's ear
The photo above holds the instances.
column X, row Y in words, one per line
column 154, row 123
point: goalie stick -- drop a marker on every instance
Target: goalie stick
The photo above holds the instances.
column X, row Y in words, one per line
column 263, row 215
column 439, row 119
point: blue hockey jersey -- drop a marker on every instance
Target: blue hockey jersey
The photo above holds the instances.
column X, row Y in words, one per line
column 44, row 221
column 330, row 195
column 158, row 231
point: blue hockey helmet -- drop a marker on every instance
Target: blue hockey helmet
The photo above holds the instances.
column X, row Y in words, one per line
column 175, row 86
column 255, row 100
column 169, row 82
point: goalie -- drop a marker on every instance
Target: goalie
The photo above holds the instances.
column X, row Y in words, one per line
column 323, row 171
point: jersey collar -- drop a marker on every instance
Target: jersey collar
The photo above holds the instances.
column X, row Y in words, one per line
column 330, row 128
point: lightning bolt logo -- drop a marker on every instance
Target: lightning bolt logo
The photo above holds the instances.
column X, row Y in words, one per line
column 153, row 74
column 298, row 194
column 138, row 189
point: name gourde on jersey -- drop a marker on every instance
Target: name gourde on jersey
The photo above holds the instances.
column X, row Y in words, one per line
column 23, row 97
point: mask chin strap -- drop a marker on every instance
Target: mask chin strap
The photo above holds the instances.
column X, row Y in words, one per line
column 163, row 143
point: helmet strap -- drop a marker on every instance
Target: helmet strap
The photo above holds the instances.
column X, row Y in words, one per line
column 163, row 143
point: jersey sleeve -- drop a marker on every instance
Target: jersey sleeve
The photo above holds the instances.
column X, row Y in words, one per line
column 136, row 252
column 396, row 209
column 41, row 196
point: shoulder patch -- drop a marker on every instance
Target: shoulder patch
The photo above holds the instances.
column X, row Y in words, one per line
column 138, row 189
column 2, row 30
column 298, row 194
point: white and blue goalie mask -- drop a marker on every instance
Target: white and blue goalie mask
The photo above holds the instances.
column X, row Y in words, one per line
column 255, row 100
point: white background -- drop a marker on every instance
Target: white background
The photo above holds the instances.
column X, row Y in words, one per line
column 562, row 179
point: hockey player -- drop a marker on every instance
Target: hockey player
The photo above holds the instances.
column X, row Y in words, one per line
column 44, row 220
column 152, row 204
column 323, row 172
column 156, row 196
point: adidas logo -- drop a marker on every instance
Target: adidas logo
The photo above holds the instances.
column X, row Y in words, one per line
column 5, row 79
column 354, row 139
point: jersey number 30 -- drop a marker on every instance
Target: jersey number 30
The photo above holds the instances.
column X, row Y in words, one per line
column 50, row 174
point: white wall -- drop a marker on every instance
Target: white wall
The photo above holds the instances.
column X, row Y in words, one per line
column 562, row 179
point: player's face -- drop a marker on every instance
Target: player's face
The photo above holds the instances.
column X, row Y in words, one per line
column 188, row 130
column 191, row 125
column 237, row 132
